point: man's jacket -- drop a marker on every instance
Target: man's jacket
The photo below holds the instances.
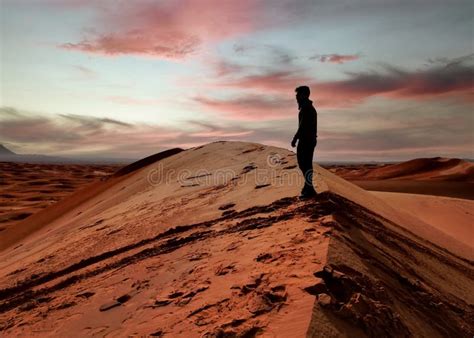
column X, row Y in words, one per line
column 308, row 124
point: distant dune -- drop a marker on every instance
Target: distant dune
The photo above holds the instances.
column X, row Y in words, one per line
column 429, row 176
column 421, row 169
column 27, row 188
column 213, row 242
column 452, row 216
column 6, row 155
column 4, row 151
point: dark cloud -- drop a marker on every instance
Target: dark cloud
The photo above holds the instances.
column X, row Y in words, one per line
column 93, row 122
column 366, row 133
column 453, row 77
column 240, row 48
column 274, row 55
column 444, row 61
column 61, row 130
column 33, row 129
column 456, row 76
column 69, row 134
column 395, row 144
column 85, row 71
column 397, row 131
column 117, row 122
column 10, row 112
column 335, row 58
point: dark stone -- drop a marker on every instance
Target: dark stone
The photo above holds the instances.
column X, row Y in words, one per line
column 86, row 294
column 175, row 294
column 109, row 305
column 226, row 206
column 123, row 299
column 316, row 289
column 264, row 257
column 159, row 303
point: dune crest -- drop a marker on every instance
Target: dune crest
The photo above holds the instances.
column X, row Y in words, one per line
column 420, row 169
column 212, row 241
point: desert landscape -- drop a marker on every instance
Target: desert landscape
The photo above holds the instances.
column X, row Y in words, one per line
column 439, row 176
column 27, row 188
column 179, row 245
column 256, row 168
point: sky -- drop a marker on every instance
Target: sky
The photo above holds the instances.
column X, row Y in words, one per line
column 390, row 80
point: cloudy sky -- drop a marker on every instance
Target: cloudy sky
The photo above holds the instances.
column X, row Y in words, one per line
column 390, row 80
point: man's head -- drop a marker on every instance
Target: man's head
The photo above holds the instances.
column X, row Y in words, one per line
column 302, row 93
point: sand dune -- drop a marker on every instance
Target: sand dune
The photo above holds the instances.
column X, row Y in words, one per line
column 212, row 242
column 422, row 169
column 27, row 188
column 452, row 216
column 463, row 190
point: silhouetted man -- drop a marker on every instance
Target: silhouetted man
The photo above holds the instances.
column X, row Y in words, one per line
column 306, row 137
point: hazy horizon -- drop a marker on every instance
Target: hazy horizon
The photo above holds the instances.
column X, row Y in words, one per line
column 391, row 80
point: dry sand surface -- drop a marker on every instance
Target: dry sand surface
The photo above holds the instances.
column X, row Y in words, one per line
column 212, row 242
column 28, row 188
column 464, row 190
column 429, row 176
column 422, row 169
column 453, row 216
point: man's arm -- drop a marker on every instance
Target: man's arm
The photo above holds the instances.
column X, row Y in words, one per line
column 302, row 121
column 297, row 135
column 298, row 131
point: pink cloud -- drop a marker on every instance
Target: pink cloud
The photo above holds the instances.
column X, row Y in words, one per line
column 171, row 46
column 170, row 30
column 279, row 81
column 250, row 108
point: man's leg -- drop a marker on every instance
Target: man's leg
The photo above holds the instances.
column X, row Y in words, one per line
column 308, row 168
column 305, row 163
column 300, row 157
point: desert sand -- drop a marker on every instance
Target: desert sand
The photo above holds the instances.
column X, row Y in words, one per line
column 438, row 176
column 27, row 188
column 422, row 169
column 212, row 241
column 453, row 216
column 462, row 190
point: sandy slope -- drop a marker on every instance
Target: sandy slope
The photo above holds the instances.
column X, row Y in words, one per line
column 421, row 169
column 452, row 216
column 463, row 190
column 211, row 241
